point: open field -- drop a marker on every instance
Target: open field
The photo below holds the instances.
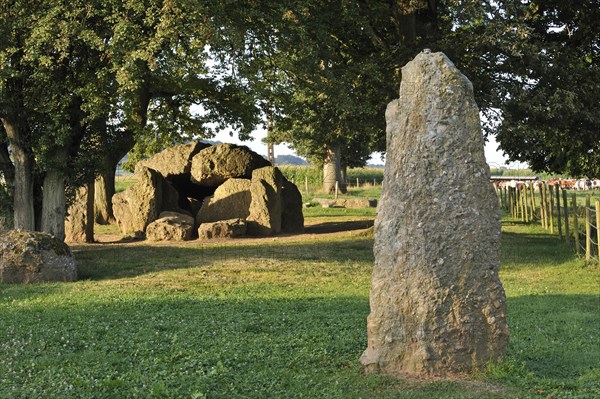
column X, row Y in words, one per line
column 280, row 317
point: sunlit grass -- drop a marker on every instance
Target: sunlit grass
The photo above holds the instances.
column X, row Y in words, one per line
column 278, row 318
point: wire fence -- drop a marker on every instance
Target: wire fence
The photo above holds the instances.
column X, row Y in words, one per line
column 573, row 216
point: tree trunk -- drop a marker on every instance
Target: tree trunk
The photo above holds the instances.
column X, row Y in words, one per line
column 89, row 215
column 24, row 217
column 332, row 170
column 105, row 183
column 103, row 193
column 54, row 204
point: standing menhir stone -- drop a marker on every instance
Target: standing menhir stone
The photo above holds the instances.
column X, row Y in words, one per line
column 437, row 304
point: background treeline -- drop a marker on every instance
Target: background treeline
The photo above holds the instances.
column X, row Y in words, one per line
column 83, row 84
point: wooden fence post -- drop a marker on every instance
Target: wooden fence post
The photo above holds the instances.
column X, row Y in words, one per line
column 588, row 228
column 532, row 192
column 509, row 201
column 543, row 206
column 576, row 223
column 559, row 219
column 598, row 228
column 520, row 198
column 551, row 210
column 525, row 203
column 357, row 185
column 566, row 208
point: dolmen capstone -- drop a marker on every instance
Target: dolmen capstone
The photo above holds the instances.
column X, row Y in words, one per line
column 208, row 183
column 437, row 305
column 30, row 257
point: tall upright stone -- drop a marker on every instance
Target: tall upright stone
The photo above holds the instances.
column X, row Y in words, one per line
column 437, row 305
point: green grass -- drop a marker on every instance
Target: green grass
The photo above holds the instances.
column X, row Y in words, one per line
column 123, row 182
column 301, row 175
column 277, row 318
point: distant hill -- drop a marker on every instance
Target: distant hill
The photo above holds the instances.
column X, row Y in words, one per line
column 289, row 160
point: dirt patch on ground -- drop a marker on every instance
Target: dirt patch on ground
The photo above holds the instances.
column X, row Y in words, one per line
column 319, row 228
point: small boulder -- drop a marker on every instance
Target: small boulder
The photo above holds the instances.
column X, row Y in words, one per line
column 176, row 160
column 230, row 201
column 214, row 165
column 266, row 204
column 222, row 229
column 359, row 203
column 29, row 257
column 171, row 226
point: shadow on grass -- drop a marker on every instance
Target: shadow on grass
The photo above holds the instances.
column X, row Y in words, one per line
column 241, row 346
column 556, row 336
column 542, row 249
column 336, row 227
column 184, row 347
column 108, row 261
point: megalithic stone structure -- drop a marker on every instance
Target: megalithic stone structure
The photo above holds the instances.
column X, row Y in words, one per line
column 438, row 307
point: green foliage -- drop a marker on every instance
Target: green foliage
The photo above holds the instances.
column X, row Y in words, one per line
column 299, row 175
column 123, row 182
column 535, row 67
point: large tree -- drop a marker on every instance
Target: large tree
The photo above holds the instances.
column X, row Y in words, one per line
column 550, row 115
column 76, row 79
column 329, row 67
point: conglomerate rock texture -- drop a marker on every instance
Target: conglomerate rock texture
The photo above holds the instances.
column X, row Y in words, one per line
column 210, row 184
column 437, row 305
column 215, row 164
column 31, row 257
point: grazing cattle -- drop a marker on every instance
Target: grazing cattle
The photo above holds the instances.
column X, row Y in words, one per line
column 567, row 184
column 583, row 184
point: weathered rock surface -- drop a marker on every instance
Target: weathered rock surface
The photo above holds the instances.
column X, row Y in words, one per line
column 141, row 203
column 437, row 304
column 76, row 219
column 29, row 257
column 266, row 203
column 292, row 219
column 171, row 226
column 176, row 160
column 214, row 165
column 222, row 229
column 230, row 201
column 355, row 203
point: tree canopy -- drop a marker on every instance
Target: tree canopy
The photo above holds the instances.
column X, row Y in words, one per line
column 330, row 68
column 84, row 82
column 550, row 115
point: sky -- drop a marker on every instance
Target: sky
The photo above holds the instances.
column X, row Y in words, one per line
column 494, row 157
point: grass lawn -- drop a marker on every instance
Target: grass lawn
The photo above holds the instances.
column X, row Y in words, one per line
column 278, row 318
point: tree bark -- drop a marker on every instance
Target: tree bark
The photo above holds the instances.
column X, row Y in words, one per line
column 105, row 183
column 54, row 204
column 332, row 170
column 103, row 192
column 89, row 215
column 24, row 216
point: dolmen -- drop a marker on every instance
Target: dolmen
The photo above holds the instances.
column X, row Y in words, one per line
column 181, row 192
